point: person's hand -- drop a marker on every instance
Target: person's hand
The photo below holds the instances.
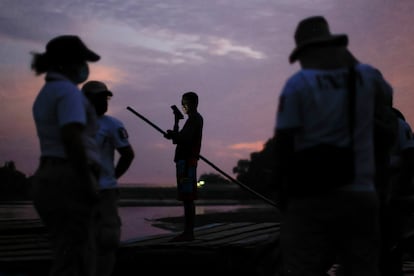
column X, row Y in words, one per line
column 169, row 134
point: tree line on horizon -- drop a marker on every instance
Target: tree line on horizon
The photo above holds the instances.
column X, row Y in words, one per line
column 256, row 173
column 14, row 185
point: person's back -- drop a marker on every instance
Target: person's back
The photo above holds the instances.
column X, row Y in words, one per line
column 316, row 108
column 323, row 95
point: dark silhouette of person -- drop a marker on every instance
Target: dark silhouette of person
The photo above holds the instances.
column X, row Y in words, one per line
column 111, row 137
column 65, row 189
column 398, row 206
column 187, row 151
column 320, row 224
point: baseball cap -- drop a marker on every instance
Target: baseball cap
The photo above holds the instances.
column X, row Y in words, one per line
column 95, row 87
column 68, row 48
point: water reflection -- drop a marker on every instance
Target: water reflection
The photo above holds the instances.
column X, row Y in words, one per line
column 17, row 211
column 137, row 221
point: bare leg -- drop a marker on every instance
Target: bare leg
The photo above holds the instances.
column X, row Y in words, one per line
column 189, row 214
column 189, row 222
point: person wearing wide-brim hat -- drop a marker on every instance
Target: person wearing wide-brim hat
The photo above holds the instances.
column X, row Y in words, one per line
column 340, row 219
column 65, row 183
column 314, row 32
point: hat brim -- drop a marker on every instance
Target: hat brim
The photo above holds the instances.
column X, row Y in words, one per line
column 96, row 93
column 91, row 56
column 335, row 40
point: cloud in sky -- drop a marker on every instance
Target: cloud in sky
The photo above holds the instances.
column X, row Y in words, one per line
column 225, row 47
column 233, row 53
column 251, row 147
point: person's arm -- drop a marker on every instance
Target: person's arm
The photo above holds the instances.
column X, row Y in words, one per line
column 386, row 121
column 187, row 133
column 125, row 160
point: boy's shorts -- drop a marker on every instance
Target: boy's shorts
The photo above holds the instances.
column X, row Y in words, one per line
column 186, row 173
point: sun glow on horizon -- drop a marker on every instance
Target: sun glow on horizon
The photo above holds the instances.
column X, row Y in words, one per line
column 252, row 146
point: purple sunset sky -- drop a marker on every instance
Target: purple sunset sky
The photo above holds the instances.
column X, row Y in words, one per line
column 233, row 53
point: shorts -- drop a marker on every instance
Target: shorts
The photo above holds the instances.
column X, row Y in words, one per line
column 186, row 180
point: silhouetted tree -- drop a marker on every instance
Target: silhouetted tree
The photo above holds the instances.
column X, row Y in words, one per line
column 257, row 172
column 13, row 184
column 213, row 178
column 218, row 186
column 242, row 170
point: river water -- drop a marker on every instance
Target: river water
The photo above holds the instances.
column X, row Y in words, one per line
column 137, row 221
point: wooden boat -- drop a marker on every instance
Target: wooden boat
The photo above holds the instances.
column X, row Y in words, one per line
column 229, row 248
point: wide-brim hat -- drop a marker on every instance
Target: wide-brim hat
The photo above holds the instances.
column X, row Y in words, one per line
column 69, row 48
column 93, row 87
column 314, row 31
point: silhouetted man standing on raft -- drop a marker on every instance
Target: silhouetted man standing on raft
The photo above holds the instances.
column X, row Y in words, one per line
column 188, row 141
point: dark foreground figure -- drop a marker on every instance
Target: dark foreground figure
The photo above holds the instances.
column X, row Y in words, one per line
column 329, row 106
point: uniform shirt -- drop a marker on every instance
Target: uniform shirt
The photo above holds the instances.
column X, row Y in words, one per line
column 315, row 103
column 59, row 103
column 111, row 135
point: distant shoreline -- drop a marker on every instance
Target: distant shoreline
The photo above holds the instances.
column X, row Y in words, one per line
column 214, row 192
column 145, row 185
column 141, row 195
